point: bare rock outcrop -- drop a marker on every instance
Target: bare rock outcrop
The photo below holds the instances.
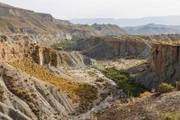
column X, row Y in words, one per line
column 41, row 54
column 164, row 66
column 111, row 47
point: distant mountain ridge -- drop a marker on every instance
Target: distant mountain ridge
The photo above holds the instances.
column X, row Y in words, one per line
column 166, row 20
column 151, row 29
column 109, row 29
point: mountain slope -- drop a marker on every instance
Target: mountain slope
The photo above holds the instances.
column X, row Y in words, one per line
column 151, row 29
column 17, row 20
column 109, row 29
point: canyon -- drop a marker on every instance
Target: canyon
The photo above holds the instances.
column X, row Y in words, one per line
column 104, row 74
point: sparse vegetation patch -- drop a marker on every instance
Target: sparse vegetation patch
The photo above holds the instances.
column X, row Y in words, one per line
column 82, row 92
column 124, row 81
column 62, row 45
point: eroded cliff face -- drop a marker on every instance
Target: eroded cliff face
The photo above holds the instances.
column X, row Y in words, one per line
column 15, row 51
column 164, row 66
column 111, row 47
column 40, row 54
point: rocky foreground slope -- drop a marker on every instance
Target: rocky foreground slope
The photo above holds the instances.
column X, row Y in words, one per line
column 35, row 85
column 24, row 97
column 150, row 107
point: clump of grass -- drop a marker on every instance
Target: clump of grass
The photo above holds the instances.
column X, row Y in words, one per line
column 84, row 93
column 92, row 74
column 170, row 116
column 124, row 81
column 165, row 88
column 177, row 86
column 62, row 45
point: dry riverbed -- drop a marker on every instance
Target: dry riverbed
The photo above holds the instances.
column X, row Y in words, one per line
column 107, row 92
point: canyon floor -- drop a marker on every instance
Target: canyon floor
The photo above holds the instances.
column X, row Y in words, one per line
column 92, row 74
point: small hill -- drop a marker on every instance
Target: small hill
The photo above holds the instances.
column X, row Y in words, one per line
column 151, row 29
column 109, row 29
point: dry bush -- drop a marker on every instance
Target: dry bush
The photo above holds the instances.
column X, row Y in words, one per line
column 146, row 93
column 1, row 39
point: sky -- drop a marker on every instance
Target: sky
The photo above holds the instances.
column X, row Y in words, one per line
column 74, row 9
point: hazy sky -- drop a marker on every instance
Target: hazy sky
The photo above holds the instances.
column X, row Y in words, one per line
column 70, row 9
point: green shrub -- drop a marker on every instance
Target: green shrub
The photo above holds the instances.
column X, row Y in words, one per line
column 165, row 88
column 124, row 81
column 63, row 45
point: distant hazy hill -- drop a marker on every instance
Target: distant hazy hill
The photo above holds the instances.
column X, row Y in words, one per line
column 109, row 29
column 167, row 20
column 153, row 29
